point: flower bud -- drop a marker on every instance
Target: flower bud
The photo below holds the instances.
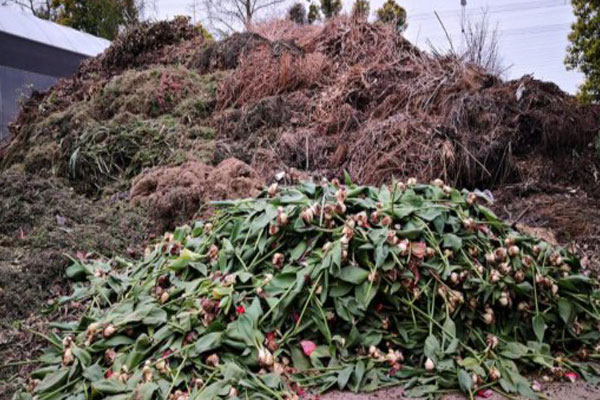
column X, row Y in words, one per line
column 429, row 365
column 341, row 195
column 212, row 360
column 403, row 246
column 108, row 331
column 500, row 253
column 265, row 358
column 164, row 297
column 147, row 373
column 278, row 260
column 488, row 318
column 68, row 357
column 372, row 276
column 429, row 252
column 494, row 276
column 494, row 374
column 272, row 190
column 492, row 341
column 438, row 182
column 282, row 219
column 273, row 230
column 454, row 278
column 471, row 198
column 307, row 216
column 519, row 276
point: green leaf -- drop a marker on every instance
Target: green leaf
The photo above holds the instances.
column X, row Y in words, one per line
column 432, row 347
column 452, row 241
column 565, row 309
column 354, row 275
column 340, row 288
column 145, row 391
column 449, row 327
column 514, row 350
column 208, row 342
column 93, row 373
column 344, row 376
column 299, row 360
column 464, row 381
column 271, row 380
column 210, row 392
column 539, row 327
column 359, row 373
column 53, row 381
column 421, row 391
column 297, row 251
column 142, row 345
column 109, row 386
column 574, row 282
column 83, row 356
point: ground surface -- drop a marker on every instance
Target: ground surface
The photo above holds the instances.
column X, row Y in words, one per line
column 564, row 391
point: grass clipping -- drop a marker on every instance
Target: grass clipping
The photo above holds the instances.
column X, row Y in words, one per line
column 314, row 287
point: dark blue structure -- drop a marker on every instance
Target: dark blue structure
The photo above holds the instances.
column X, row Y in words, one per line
column 34, row 54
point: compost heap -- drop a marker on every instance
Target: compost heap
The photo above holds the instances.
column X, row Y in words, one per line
column 142, row 137
column 311, row 287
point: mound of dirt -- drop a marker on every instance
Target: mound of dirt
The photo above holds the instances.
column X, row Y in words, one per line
column 176, row 194
column 43, row 221
column 348, row 96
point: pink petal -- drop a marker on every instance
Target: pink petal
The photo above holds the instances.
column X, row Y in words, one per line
column 486, row 394
column 308, row 347
column 571, row 376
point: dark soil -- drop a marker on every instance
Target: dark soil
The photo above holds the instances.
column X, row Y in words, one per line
column 43, row 222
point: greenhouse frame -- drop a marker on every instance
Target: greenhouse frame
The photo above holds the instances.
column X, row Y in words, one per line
column 34, row 54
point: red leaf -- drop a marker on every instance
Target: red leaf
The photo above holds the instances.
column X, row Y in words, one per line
column 486, row 394
column 109, row 373
column 240, row 310
column 571, row 376
column 308, row 347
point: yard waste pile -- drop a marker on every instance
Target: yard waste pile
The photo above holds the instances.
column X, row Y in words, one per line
column 143, row 137
column 320, row 286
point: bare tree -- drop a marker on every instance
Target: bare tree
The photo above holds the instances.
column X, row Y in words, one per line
column 224, row 16
column 146, row 8
column 45, row 10
column 39, row 8
column 481, row 44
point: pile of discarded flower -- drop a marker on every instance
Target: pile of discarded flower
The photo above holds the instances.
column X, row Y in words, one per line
column 314, row 287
